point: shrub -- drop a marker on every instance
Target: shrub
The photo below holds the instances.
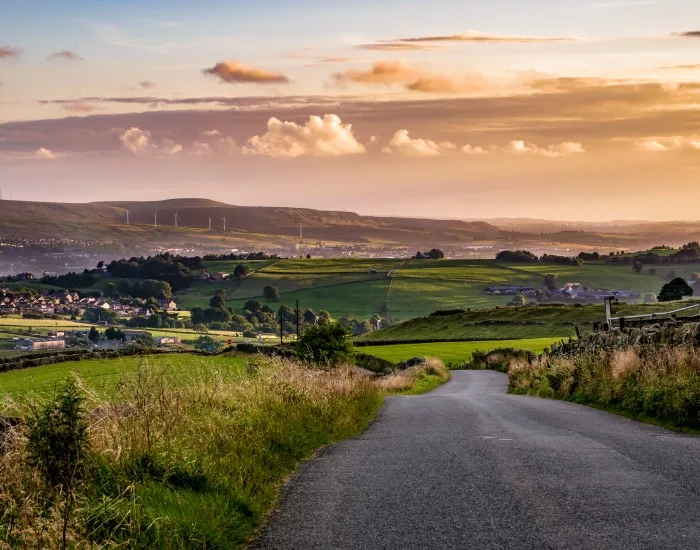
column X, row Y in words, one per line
column 325, row 344
column 374, row 364
column 675, row 290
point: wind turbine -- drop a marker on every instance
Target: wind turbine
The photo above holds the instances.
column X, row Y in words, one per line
column 127, row 218
column 155, row 219
column 209, row 223
column 224, row 220
column 176, row 219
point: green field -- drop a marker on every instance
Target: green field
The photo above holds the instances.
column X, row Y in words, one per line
column 410, row 288
column 453, row 352
column 101, row 374
column 512, row 323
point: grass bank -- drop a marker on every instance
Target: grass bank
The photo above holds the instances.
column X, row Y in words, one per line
column 186, row 458
column 422, row 378
column 454, row 352
column 661, row 384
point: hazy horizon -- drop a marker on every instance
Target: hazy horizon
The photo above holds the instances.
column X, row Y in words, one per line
column 583, row 111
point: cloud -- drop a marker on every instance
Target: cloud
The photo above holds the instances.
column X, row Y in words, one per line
column 396, row 46
column 319, row 137
column 7, row 52
column 44, row 153
column 662, row 145
column 471, row 150
column 682, row 67
column 140, row 143
column 66, row 55
column 479, row 37
column 399, row 72
column 687, row 34
column 331, row 60
column 79, row 107
column 211, row 133
column 147, row 84
column 402, row 144
column 565, row 149
column 225, row 147
column 238, row 73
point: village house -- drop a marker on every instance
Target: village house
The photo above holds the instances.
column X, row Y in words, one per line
column 37, row 345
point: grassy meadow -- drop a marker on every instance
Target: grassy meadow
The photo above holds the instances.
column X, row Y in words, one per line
column 183, row 452
column 453, row 352
column 409, row 288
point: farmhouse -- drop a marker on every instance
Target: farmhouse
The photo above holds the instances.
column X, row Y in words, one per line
column 36, row 345
column 165, row 341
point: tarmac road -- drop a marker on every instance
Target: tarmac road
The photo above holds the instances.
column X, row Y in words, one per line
column 469, row 466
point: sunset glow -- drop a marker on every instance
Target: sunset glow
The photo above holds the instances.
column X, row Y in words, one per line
column 579, row 109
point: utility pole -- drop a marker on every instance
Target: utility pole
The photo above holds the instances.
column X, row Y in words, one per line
column 155, row 219
column 297, row 320
column 127, row 218
column 209, row 223
column 224, row 220
column 281, row 329
column 175, row 219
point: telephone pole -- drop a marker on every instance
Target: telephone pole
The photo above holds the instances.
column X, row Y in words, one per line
column 297, row 311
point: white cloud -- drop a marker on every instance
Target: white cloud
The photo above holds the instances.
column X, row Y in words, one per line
column 471, row 150
column 140, row 143
column 661, row 145
column 320, row 137
column 402, row 144
column 43, row 153
column 225, row 146
column 567, row 148
column 211, row 133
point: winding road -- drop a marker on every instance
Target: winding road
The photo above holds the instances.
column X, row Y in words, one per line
column 469, row 466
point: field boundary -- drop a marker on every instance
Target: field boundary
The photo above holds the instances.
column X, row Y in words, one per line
column 373, row 343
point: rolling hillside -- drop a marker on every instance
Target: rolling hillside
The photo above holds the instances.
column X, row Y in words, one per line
column 272, row 227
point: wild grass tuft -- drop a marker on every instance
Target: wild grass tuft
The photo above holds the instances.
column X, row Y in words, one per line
column 188, row 459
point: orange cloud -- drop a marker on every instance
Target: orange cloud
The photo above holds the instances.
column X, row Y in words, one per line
column 478, row 37
column 688, row 34
column 396, row 46
column 66, row 55
column 400, row 72
column 146, row 84
column 237, row 73
column 663, row 145
column 565, row 149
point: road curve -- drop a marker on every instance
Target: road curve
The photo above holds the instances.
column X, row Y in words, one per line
column 469, row 466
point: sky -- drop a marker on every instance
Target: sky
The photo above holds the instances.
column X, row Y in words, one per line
column 568, row 110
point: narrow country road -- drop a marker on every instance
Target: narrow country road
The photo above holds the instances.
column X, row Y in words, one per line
column 469, row 466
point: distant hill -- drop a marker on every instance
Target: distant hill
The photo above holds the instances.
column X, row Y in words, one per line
column 271, row 227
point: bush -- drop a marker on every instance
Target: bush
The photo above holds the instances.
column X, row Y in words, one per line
column 327, row 344
column 374, row 364
column 208, row 344
column 675, row 290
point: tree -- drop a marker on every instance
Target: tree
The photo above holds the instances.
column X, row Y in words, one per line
column 550, row 281
column 241, row 271
column 218, row 301
column 436, row 254
column 144, row 340
column 271, row 293
column 114, row 334
column 94, row 335
column 208, row 344
column 286, row 314
column 253, row 306
column 324, row 317
column 100, row 264
column 325, row 345
column 638, row 266
column 309, row 317
column 675, row 290
column 518, row 301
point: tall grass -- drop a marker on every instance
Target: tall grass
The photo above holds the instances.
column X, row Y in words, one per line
column 422, row 378
column 187, row 461
column 661, row 383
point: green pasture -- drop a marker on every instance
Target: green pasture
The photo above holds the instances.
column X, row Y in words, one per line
column 99, row 375
column 454, row 352
column 334, row 265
